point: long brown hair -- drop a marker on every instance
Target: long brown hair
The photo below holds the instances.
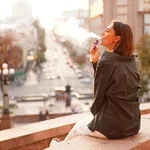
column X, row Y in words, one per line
column 125, row 46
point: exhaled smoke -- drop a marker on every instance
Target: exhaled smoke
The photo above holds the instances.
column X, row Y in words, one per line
column 78, row 36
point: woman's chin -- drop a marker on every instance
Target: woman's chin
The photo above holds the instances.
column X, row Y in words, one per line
column 101, row 43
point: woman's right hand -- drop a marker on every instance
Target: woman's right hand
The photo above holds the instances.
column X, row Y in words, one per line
column 94, row 54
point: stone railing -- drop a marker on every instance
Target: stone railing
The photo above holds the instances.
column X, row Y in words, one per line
column 140, row 141
column 145, row 108
column 36, row 118
column 37, row 136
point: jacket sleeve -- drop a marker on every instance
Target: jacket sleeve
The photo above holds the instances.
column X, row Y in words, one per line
column 94, row 67
column 103, row 73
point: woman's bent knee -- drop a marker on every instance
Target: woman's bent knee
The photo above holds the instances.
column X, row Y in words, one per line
column 98, row 134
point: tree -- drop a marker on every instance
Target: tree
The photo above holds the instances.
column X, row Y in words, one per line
column 9, row 53
column 41, row 35
column 143, row 48
column 80, row 59
column 40, row 57
column 144, row 54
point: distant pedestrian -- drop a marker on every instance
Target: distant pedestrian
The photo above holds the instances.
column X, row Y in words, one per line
column 67, row 95
column 46, row 114
column 41, row 114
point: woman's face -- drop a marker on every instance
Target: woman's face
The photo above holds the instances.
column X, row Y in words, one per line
column 109, row 39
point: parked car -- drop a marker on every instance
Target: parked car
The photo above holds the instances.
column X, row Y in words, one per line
column 78, row 71
column 79, row 75
column 83, row 95
column 85, row 80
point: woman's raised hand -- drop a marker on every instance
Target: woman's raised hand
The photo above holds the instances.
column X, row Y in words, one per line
column 94, row 54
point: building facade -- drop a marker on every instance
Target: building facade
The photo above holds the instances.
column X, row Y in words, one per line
column 79, row 14
column 21, row 8
column 136, row 13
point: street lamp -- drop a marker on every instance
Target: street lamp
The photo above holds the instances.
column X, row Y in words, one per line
column 5, row 74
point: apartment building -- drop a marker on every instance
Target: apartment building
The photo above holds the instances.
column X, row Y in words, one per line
column 79, row 14
column 136, row 13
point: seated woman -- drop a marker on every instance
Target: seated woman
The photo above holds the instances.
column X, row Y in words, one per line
column 115, row 109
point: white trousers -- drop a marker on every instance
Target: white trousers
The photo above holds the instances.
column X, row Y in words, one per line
column 81, row 128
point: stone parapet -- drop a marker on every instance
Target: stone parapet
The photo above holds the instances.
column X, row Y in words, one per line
column 140, row 141
column 37, row 136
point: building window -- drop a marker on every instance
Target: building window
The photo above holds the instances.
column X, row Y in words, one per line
column 122, row 2
column 147, row 9
column 146, row 1
column 147, row 23
column 147, row 30
column 122, row 10
column 122, row 18
column 146, row 18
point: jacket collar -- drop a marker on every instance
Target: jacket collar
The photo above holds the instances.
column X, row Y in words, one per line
column 117, row 56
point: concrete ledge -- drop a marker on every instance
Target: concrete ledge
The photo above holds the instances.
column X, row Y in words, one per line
column 37, row 136
column 141, row 141
column 36, row 117
column 145, row 108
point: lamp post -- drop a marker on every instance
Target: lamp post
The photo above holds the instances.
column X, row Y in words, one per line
column 5, row 74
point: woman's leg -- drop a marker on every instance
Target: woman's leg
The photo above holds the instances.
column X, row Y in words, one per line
column 81, row 128
column 97, row 134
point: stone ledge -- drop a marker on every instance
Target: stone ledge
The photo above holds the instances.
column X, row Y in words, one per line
column 37, row 136
column 145, row 108
column 20, row 138
column 140, row 141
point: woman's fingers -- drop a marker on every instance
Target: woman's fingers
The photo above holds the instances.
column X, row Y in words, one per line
column 93, row 49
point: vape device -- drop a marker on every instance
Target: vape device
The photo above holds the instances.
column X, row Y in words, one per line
column 95, row 44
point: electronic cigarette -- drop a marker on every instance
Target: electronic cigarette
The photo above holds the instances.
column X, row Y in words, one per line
column 95, row 44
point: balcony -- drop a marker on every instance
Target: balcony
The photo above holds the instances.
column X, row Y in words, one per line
column 37, row 136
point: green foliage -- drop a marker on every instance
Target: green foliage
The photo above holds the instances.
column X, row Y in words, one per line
column 71, row 50
column 40, row 57
column 41, row 35
column 68, row 44
column 80, row 59
column 42, row 39
column 143, row 48
column 144, row 83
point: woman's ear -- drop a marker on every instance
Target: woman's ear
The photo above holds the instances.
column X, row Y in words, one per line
column 117, row 39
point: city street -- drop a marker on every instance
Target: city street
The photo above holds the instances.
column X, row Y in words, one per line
column 55, row 65
column 55, row 73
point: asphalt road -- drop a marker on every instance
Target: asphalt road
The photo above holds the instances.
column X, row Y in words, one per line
column 56, row 65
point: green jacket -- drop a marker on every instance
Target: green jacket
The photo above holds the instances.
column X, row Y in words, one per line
column 116, row 96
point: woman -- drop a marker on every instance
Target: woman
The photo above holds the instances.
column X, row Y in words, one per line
column 116, row 87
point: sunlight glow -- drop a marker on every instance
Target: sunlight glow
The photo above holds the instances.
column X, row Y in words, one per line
column 45, row 10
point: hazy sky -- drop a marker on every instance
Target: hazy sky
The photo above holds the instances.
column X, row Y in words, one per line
column 46, row 10
column 50, row 9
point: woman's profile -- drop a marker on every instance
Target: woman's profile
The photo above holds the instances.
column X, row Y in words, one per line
column 115, row 108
